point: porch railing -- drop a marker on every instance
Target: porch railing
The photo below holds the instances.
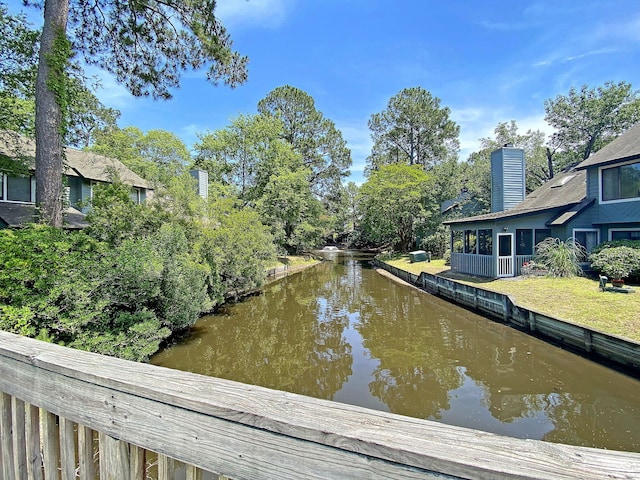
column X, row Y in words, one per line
column 485, row 265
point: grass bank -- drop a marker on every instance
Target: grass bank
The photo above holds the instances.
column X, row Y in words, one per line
column 576, row 300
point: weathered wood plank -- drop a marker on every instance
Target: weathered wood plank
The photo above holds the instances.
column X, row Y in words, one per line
column 166, row 467
column 86, row 464
column 6, row 434
column 19, row 439
column 50, row 448
column 34, row 457
column 67, row 449
column 193, row 473
column 137, row 462
column 114, row 458
column 245, row 431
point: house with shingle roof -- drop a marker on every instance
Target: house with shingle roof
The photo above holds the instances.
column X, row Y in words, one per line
column 83, row 171
column 595, row 201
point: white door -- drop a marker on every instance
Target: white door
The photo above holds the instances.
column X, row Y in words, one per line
column 506, row 258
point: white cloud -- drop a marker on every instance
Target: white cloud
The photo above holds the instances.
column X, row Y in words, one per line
column 265, row 13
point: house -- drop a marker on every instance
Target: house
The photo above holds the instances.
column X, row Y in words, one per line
column 597, row 200
column 83, row 171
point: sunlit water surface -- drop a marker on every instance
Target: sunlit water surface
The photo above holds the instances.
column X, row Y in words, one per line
column 341, row 331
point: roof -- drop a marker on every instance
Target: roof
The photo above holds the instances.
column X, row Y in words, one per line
column 78, row 163
column 625, row 147
column 563, row 191
column 20, row 214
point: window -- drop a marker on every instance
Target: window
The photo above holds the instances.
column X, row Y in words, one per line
column 624, row 234
column 524, row 241
column 457, row 241
column 136, row 195
column 541, row 234
column 16, row 189
column 470, row 241
column 619, row 183
column 587, row 238
column 485, row 242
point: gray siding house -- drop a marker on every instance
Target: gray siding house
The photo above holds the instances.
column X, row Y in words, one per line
column 83, row 171
column 597, row 200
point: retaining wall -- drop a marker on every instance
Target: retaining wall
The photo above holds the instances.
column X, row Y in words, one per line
column 598, row 345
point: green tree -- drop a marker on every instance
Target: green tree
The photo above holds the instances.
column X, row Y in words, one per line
column 293, row 212
column 315, row 138
column 157, row 156
column 18, row 51
column 146, row 45
column 86, row 114
column 245, row 154
column 587, row 119
column 414, row 129
column 392, row 202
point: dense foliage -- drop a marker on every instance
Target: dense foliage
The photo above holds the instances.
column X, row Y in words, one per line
column 617, row 262
column 137, row 275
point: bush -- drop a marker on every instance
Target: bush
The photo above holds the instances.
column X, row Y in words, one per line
column 560, row 259
column 635, row 244
column 617, row 263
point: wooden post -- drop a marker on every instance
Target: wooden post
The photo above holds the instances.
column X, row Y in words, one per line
column 588, row 340
column 19, row 439
column 50, row 446
column 193, row 473
column 6, row 436
column 67, row 449
column 165, row 467
column 532, row 321
column 137, row 462
column 85, row 453
column 114, row 458
column 34, row 457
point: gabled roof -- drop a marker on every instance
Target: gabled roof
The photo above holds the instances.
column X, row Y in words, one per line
column 563, row 191
column 625, row 147
column 78, row 163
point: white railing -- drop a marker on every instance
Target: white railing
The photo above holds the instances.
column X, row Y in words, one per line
column 56, row 400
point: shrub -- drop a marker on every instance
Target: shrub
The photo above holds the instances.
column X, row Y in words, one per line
column 561, row 259
column 617, row 263
column 616, row 243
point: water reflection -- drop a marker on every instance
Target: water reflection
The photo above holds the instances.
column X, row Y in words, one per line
column 343, row 332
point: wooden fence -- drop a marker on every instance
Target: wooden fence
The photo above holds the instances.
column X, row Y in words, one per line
column 60, row 408
column 598, row 345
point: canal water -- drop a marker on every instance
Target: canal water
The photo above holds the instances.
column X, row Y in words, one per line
column 342, row 331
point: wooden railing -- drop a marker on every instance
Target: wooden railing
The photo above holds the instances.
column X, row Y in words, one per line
column 56, row 401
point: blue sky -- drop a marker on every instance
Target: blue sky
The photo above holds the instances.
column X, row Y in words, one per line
column 488, row 61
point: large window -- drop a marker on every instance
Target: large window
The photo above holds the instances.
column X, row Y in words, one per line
column 457, row 241
column 587, row 238
column 485, row 242
column 619, row 183
column 470, row 241
column 541, row 234
column 624, row 234
column 15, row 189
column 524, row 241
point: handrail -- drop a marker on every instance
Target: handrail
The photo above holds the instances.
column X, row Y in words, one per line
column 241, row 431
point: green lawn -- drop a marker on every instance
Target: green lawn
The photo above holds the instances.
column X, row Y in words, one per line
column 576, row 300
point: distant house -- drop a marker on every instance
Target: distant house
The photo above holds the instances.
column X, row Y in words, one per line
column 597, row 200
column 83, row 171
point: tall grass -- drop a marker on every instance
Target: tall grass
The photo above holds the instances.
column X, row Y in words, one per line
column 561, row 259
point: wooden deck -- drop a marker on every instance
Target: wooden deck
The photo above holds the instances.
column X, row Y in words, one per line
column 57, row 404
